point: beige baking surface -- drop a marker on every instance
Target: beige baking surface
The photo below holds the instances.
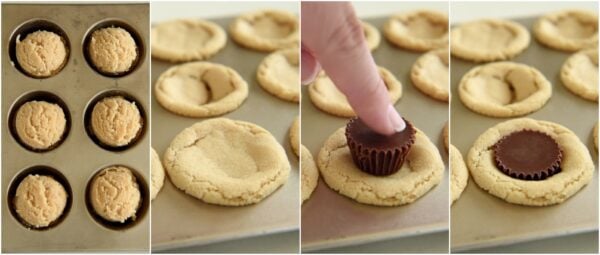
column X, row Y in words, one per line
column 330, row 219
column 482, row 220
column 180, row 220
column 78, row 158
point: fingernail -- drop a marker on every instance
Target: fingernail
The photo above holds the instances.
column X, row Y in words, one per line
column 397, row 122
column 311, row 77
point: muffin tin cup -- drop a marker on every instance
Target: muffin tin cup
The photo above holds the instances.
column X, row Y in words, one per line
column 78, row 158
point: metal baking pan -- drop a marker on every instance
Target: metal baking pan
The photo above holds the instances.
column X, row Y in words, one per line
column 332, row 220
column 200, row 223
column 78, row 158
column 479, row 219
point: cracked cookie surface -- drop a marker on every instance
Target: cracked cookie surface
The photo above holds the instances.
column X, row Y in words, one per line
column 40, row 124
column 226, row 162
column 504, row 89
column 577, row 167
column 200, row 89
column 42, row 53
column 422, row 170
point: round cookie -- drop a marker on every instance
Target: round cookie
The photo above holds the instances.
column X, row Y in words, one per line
column 115, row 121
column 226, row 162
column 429, row 74
column 504, row 89
column 40, row 200
column 421, row 30
column 422, row 170
column 200, row 89
column 325, row 95
column 115, row 194
column 459, row 175
column 279, row 75
column 295, row 136
column 372, row 35
column 488, row 40
column 40, row 125
column 577, row 165
column 568, row 30
column 310, row 174
column 266, row 30
column 41, row 54
column 185, row 40
column 579, row 74
column 112, row 50
column 157, row 173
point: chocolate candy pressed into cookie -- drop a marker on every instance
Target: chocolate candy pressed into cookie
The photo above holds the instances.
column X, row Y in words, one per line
column 375, row 153
column 528, row 155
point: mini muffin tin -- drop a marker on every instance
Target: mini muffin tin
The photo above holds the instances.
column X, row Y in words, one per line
column 330, row 219
column 78, row 157
column 180, row 220
column 479, row 219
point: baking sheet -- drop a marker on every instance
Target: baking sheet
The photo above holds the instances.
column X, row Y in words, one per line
column 332, row 220
column 179, row 220
column 78, row 158
column 482, row 220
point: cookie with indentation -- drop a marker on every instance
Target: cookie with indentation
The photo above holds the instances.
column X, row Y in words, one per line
column 157, row 173
column 422, row 170
column 279, row 75
column 488, row 40
column 504, row 89
column 226, row 162
column 568, row 30
column 200, row 89
column 420, row 30
column 576, row 166
column 372, row 35
column 184, row 40
column 579, row 74
column 310, row 174
column 40, row 200
column 459, row 175
column 325, row 95
column 41, row 54
column 40, row 125
column 429, row 74
column 266, row 30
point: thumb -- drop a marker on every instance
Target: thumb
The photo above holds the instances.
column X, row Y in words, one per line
column 334, row 35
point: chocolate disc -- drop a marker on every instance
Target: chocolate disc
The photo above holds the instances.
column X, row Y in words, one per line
column 528, row 155
column 375, row 153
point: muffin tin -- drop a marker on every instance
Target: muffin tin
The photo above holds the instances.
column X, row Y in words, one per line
column 330, row 219
column 201, row 223
column 77, row 158
column 479, row 219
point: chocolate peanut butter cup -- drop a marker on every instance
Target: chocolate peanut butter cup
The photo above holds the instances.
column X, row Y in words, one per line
column 528, row 155
column 375, row 153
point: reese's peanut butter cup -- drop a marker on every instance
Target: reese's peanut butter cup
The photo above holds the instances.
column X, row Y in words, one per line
column 528, row 155
column 375, row 153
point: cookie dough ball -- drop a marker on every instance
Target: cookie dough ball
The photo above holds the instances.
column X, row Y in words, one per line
column 112, row 50
column 115, row 194
column 488, row 40
column 41, row 54
column 39, row 124
column 568, row 30
column 158, row 175
column 40, row 200
column 116, row 121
